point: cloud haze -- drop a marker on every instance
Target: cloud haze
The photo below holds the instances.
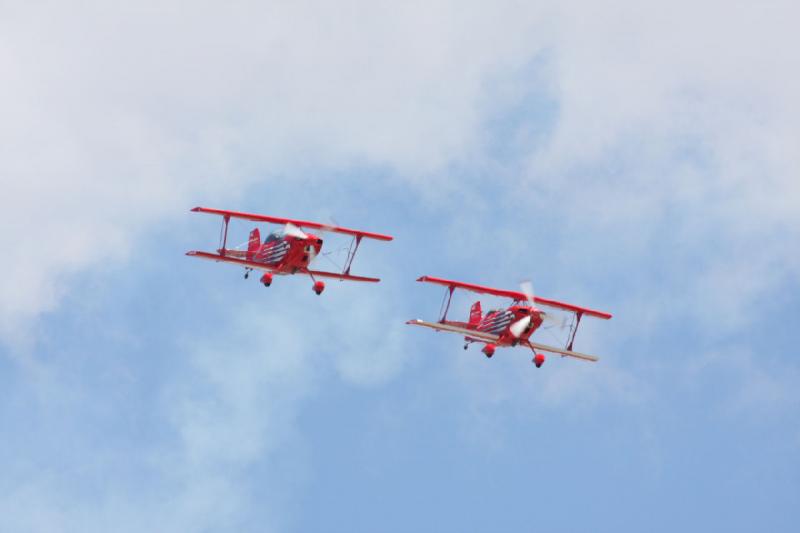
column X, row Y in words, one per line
column 637, row 157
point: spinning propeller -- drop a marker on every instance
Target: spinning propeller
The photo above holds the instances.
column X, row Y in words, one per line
column 294, row 231
column 519, row 327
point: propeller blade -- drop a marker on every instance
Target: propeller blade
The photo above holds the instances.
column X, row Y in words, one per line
column 527, row 290
column 294, row 231
column 312, row 254
column 550, row 319
column 519, row 327
column 329, row 224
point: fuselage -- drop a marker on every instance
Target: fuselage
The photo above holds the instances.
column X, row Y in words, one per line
column 500, row 321
column 285, row 254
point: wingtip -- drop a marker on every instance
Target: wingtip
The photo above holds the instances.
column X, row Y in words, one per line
column 196, row 209
column 376, row 236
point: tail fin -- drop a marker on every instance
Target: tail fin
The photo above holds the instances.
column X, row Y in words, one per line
column 475, row 314
column 253, row 244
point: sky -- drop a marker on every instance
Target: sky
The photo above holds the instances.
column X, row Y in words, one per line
column 635, row 157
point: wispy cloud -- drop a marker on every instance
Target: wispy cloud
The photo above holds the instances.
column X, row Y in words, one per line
column 653, row 172
column 116, row 119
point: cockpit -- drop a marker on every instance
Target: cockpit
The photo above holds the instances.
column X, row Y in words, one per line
column 274, row 236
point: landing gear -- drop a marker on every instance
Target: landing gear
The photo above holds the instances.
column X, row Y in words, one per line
column 318, row 287
column 266, row 279
column 538, row 360
column 247, row 272
column 488, row 350
column 466, row 346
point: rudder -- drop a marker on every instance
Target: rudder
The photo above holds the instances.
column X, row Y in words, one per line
column 475, row 314
column 253, row 244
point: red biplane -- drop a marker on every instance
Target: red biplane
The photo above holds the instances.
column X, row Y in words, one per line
column 511, row 326
column 287, row 251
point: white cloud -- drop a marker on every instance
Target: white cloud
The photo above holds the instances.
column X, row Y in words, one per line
column 115, row 118
column 233, row 412
column 670, row 147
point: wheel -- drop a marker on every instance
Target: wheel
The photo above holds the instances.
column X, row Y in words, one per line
column 318, row 287
column 246, row 275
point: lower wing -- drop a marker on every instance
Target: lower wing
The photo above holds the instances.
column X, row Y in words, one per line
column 488, row 337
column 232, row 260
column 473, row 333
column 561, row 351
column 268, row 268
column 341, row 277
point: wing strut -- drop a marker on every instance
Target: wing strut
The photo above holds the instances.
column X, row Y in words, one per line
column 351, row 253
column 449, row 296
column 579, row 314
column 224, row 234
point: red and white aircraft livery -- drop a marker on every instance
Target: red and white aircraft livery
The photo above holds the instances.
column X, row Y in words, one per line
column 512, row 326
column 287, row 251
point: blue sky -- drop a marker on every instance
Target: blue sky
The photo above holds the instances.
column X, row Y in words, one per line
column 640, row 161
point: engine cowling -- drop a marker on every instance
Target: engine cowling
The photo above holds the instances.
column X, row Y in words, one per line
column 538, row 360
column 488, row 350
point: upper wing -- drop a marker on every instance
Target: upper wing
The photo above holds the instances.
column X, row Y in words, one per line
column 268, row 268
column 480, row 289
column 300, row 223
